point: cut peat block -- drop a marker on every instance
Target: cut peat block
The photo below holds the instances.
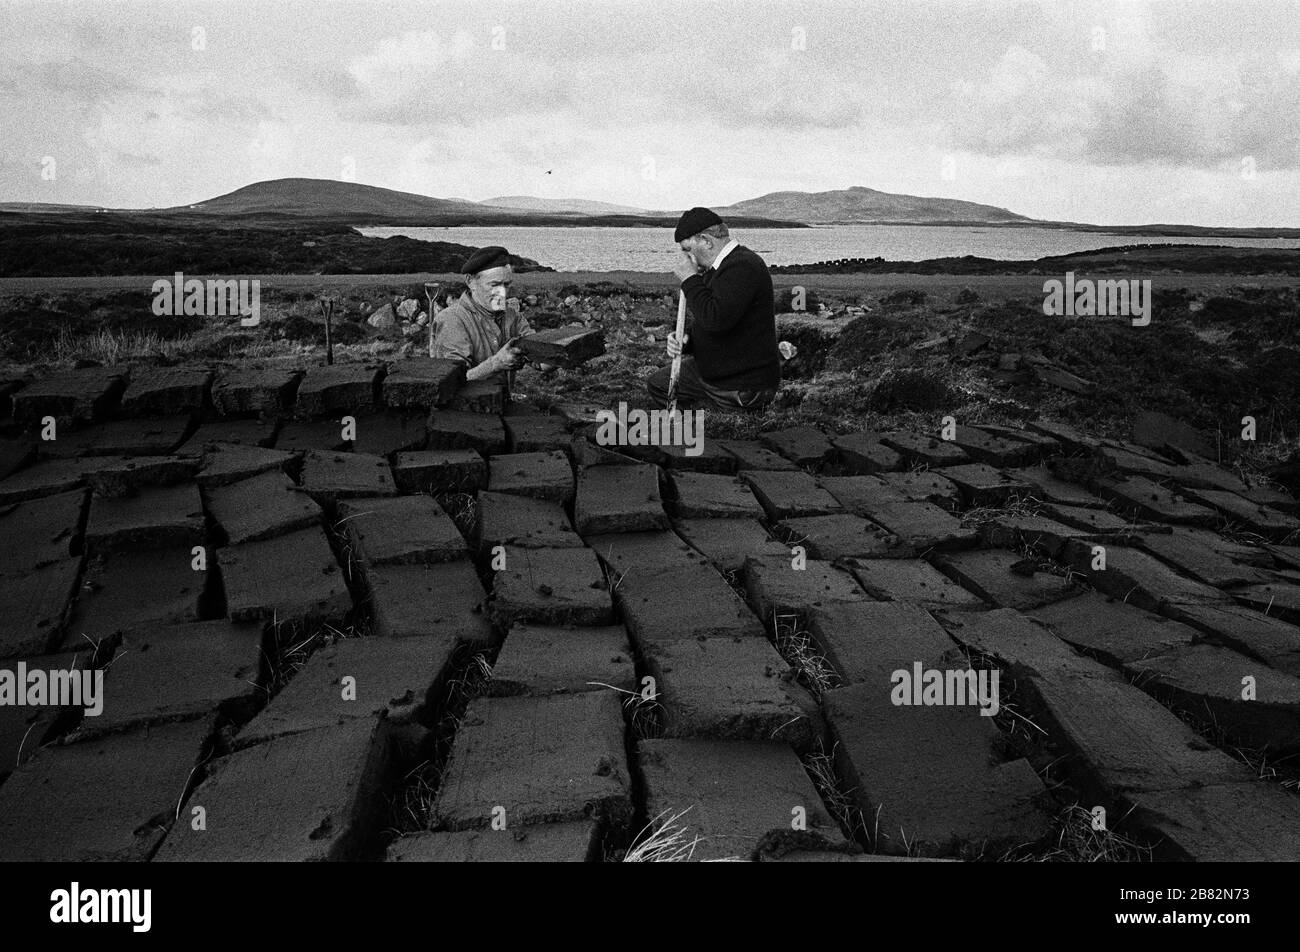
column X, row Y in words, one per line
column 1012, row 531
column 165, row 391
column 100, row 801
column 618, row 499
column 1279, row 599
column 751, row 454
column 541, row 659
column 711, row 458
column 299, row 436
column 1021, row 646
column 1137, row 578
column 338, row 389
column 1048, row 487
column 49, row 478
column 328, row 477
column 442, row 599
column 1042, row 445
column 1230, row 822
column 291, row 578
column 705, row 495
column 863, row 453
column 309, row 797
column 252, row 390
column 787, row 495
column 23, row 729
column 1113, row 631
column 402, row 529
column 232, row 432
column 260, row 507
column 1208, row 557
column 802, row 445
column 731, row 795
column 179, row 673
column 932, row 777
column 1206, row 680
column 390, row 678
column 423, row 382
column 71, row 396
column 683, row 603
column 135, row 590
column 1075, row 441
column 480, row 396
column 537, row 433
column 34, row 608
column 644, row 552
column 1260, row 519
column 225, row 463
column 14, row 455
column 776, row 589
column 383, row 434
column 522, row 521
column 155, row 518
column 460, row 429
column 1119, row 737
column 551, row 586
column 567, row 346
column 982, row 485
column 440, row 471
column 731, row 689
column 844, row 536
column 543, row 759
column 913, row 581
column 576, row 842
column 1272, row 640
column 1005, row 579
column 45, row 528
column 145, row 437
column 122, row 476
column 920, row 486
column 927, row 450
column 540, row 475
column 726, row 543
column 992, row 450
column 865, row 642
column 1140, row 498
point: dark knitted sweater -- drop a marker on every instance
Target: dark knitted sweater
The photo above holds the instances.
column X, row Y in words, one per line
column 732, row 323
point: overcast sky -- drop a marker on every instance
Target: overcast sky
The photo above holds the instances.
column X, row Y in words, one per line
column 1188, row 112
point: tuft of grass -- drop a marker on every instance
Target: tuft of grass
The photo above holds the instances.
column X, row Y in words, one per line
column 797, row 647
column 820, row 767
column 663, row 840
column 1076, row 841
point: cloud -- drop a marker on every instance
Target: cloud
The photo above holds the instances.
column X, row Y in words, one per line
column 1158, row 111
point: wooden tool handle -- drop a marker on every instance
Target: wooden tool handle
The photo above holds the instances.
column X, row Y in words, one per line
column 677, row 361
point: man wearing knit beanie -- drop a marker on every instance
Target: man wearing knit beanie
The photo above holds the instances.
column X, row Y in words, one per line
column 730, row 359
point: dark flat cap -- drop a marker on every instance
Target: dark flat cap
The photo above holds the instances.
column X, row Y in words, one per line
column 695, row 221
column 493, row 256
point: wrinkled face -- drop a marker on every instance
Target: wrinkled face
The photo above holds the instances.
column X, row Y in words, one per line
column 698, row 247
column 490, row 288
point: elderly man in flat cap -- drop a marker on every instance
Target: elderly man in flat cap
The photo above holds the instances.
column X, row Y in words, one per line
column 730, row 361
column 480, row 327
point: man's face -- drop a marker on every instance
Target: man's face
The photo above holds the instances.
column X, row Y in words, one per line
column 490, row 288
column 696, row 249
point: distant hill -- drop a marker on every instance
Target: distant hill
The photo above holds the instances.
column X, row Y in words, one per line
column 328, row 201
column 326, row 198
column 860, row 204
column 578, row 206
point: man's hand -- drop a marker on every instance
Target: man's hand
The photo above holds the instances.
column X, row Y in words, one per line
column 686, row 267
column 508, row 357
column 674, row 345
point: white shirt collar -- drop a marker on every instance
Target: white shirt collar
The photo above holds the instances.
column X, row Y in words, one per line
column 726, row 250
